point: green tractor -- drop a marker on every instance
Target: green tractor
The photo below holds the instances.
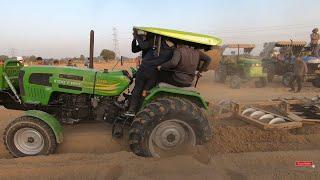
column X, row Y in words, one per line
column 240, row 67
column 170, row 119
column 278, row 60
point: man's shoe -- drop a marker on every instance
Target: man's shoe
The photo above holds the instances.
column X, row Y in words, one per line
column 291, row 90
column 129, row 114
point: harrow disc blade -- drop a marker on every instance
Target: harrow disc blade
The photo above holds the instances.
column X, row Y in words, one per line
column 257, row 114
column 277, row 120
column 248, row 111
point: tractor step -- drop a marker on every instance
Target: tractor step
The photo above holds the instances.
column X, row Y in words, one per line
column 119, row 124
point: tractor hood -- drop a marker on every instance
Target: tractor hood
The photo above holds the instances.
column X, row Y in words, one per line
column 311, row 60
column 250, row 61
column 40, row 82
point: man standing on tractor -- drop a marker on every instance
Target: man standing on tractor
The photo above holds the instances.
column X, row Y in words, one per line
column 180, row 70
column 147, row 75
column 315, row 42
column 300, row 69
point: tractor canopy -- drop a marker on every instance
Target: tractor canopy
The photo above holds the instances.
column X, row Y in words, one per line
column 290, row 43
column 203, row 41
column 247, row 48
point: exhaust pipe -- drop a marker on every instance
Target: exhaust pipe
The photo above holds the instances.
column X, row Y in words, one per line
column 91, row 49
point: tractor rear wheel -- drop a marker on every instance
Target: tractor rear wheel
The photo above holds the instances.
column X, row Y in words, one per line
column 168, row 126
column 29, row 136
column 235, row 82
column 316, row 82
column 220, row 74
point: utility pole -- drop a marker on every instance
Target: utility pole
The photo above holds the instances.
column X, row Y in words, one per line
column 116, row 42
column 12, row 52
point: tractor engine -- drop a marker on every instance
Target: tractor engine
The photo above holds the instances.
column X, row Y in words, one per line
column 74, row 108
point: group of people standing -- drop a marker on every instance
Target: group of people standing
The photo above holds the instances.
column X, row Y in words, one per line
column 163, row 60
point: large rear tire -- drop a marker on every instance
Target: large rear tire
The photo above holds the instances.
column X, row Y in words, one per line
column 167, row 127
column 29, row 136
column 220, row 74
column 316, row 82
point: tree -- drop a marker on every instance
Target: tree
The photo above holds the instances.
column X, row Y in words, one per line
column 3, row 57
column 107, row 54
column 82, row 58
column 32, row 58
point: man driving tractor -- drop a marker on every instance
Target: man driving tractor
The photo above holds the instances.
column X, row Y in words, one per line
column 180, row 70
column 147, row 75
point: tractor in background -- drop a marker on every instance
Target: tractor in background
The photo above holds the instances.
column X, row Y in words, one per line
column 278, row 60
column 237, row 67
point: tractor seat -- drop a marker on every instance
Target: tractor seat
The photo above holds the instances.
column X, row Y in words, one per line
column 193, row 89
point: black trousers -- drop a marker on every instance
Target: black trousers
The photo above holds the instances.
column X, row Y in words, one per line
column 144, row 81
column 315, row 50
column 297, row 79
column 167, row 77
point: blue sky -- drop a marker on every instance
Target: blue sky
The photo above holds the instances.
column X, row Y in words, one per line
column 60, row 28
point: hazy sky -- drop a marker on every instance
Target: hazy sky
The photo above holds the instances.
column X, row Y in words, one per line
column 60, row 28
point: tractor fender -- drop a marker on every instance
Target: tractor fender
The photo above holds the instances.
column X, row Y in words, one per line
column 191, row 95
column 51, row 121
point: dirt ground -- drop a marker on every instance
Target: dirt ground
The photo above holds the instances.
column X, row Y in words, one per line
column 237, row 150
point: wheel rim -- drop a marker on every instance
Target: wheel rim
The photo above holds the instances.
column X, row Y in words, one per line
column 29, row 141
column 171, row 137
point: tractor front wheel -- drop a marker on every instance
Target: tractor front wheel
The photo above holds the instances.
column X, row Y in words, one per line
column 287, row 78
column 167, row 127
column 262, row 82
column 29, row 136
column 235, row 82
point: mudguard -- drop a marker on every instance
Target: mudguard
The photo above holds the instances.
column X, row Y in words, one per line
column 168, row 91
column 52, row 122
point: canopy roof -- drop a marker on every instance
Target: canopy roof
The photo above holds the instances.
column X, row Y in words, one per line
column 186, row 36
column 245, row 46
column 290, row 43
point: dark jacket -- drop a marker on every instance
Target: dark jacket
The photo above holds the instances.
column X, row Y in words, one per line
column 143, row 45
column 185, row 62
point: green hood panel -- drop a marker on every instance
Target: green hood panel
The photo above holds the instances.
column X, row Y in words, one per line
column 250, row 60
column 41, row 82
column 186, row 36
